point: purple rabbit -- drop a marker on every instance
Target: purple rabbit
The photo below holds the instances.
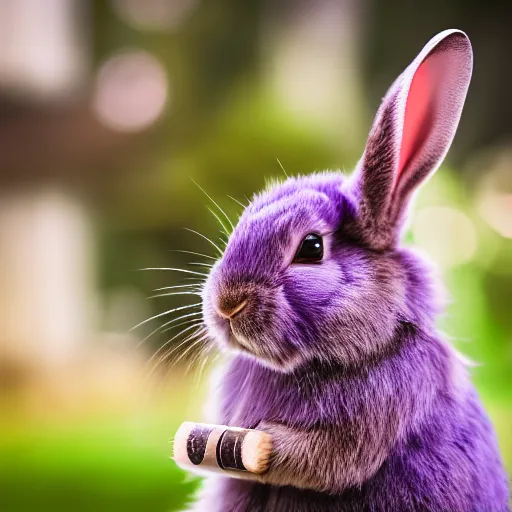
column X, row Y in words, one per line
column 331, row 327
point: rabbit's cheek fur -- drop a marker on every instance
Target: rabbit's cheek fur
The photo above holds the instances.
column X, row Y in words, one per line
column 355, row 307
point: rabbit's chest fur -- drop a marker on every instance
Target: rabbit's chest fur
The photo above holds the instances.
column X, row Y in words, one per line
column 253, row 394
column 445, row 436
column 446, row 448
column 319, row 395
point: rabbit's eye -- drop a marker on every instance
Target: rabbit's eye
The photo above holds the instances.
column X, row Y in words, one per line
column 311, row 249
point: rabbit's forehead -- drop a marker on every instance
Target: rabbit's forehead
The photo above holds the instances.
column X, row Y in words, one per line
column 270, row 235
column 291, row 209
column 304, row 210
column 298, row 189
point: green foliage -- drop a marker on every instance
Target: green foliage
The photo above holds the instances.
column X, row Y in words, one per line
column 99, row 466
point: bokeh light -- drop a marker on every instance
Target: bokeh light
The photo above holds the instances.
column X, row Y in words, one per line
column 496, row 209
column 494, row 200
column 131, row 91
column 446, row 234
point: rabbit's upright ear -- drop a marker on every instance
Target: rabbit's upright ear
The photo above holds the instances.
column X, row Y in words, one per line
column 411, row 134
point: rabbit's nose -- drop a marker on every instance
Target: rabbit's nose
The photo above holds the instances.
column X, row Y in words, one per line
column 228, row 309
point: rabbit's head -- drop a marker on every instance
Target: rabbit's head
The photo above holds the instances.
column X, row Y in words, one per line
column 313, row 270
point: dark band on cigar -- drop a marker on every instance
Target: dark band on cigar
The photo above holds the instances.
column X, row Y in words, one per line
column 229, row 450
column 196, row 443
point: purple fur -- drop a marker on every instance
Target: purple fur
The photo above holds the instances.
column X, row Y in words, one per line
column 340, row 361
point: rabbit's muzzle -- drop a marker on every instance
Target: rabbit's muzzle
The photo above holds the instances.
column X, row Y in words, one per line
column 228, row 306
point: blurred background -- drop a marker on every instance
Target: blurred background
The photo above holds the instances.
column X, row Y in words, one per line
column 109, row 111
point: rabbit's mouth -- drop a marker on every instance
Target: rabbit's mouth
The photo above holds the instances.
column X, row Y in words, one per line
column 240, row 344
column 237, row 341
column 265, row 352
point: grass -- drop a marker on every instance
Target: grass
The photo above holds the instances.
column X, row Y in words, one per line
column 91, row 467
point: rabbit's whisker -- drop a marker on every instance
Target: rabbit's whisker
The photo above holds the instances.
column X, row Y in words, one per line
column 207, row 265
column 203, row 354
column 173, row 293
column 197, row 283
column 224, row 230
column 238, row 202
column 206, row 238
column 177, row 270
column 194, row 253
column 166, row 356
column 282, row 168
column 174, row 351
column 219, row 208
column 160, row 327
column 168, row 312
column 189, row 286
column 172, row 327
column 183, row 331
column 203, row 337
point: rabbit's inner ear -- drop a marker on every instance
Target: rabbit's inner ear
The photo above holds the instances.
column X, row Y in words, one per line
column 432, row 111
column 418, row 116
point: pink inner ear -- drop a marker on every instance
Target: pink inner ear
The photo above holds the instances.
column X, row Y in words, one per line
column 417, row 118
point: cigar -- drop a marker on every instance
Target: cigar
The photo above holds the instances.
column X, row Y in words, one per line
column 201, row 446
